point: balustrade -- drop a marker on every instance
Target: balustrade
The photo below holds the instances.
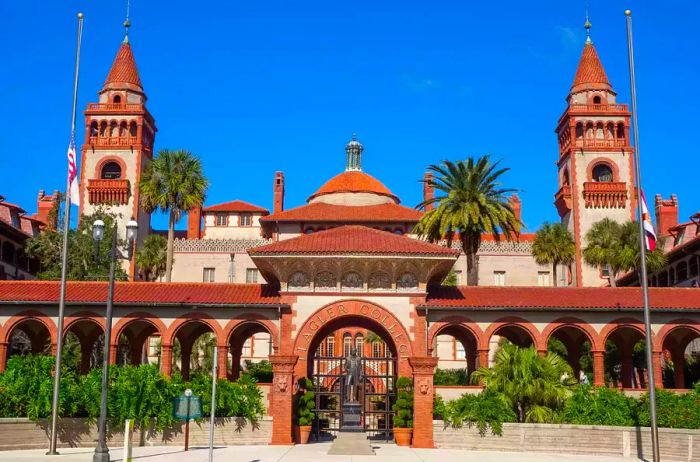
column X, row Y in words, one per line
column 604, row 194
column 102, row 191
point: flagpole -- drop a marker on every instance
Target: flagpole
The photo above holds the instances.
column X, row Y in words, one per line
column 642, row 251
column 64, row 261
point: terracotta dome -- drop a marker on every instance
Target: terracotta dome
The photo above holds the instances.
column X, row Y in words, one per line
column 354, row 182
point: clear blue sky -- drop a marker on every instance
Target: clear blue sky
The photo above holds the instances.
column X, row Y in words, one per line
column 258, row 86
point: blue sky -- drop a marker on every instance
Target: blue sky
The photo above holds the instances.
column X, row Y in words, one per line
column 255, row 87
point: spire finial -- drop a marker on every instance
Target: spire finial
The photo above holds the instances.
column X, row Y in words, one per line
column 353, row 150
column 127, row 23
column 587, row 25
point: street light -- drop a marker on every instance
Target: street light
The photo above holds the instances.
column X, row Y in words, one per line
column 98, row 233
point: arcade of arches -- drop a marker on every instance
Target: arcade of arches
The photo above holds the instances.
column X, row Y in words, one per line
column 407, row 335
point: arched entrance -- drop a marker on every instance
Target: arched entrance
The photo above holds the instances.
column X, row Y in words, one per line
column 381, row 346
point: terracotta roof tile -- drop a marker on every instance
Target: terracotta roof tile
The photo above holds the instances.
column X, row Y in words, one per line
column 319, row 211
column 235, row 206
column 124, row 71
column 590, row 73
column 353, row 240
column 140, row 292
column 354, row 182
column 561, row 297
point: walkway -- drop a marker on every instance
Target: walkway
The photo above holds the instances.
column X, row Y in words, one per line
column 311, row 452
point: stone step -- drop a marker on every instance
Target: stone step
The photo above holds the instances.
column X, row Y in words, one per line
column 351, row 444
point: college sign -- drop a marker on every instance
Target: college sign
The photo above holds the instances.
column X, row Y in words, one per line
column 348, row 310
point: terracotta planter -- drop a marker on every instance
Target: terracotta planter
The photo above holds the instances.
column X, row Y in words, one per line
column 402, row 436
column 302, row 433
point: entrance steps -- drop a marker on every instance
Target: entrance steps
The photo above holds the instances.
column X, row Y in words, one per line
column 351, row 444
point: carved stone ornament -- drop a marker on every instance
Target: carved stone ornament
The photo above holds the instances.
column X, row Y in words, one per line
column 423, row 386
column 352, row 280
column 407, row 281
column 299, row 280
column 325, row 280
column 282, row 383
column 379, row 280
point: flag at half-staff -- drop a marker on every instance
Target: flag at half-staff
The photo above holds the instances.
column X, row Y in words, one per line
column 649, row 234
column 73, row 191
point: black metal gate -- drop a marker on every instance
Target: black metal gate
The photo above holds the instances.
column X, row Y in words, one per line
column 377, row 395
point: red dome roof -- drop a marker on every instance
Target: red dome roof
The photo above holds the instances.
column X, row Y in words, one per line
column 354, row 182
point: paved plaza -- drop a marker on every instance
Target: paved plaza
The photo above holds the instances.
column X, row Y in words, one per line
column 301, row 453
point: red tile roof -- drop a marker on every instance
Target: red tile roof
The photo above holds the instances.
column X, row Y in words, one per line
column 319, row 211
column 157, row 293
column 561, row 297
column 590, row 73
column 353, row 240
column 124, row 72
column 354, row 182
column 235, row 206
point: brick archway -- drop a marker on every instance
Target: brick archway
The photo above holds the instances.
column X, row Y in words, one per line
column 574, row 323
column 512, row 321
column 236, row 332
column 17, row 319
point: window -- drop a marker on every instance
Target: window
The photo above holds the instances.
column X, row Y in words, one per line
column 329, row 346
column 232, row 268
column 246, row 350
column 117, row 99
column 459, row 350
column 605, row 272
column 221, row 219
column 111, row 171
column 153, row 346
column 377, row 349
column 359, row 343
column 602, row 173
column 245, row 219
column 347, row 343
column 251, row 276
column 499, row 278
column 543, row 278
column 596, row 100
column 208, row 275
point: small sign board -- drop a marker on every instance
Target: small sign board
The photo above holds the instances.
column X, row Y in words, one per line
column 186, row 408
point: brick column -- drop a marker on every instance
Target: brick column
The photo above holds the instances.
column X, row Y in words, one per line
column 223, row 361
column 186, row 358
column 656, row 364
column 3, row 356
column 627, row 365
column 166, row 359
column 542, row 353
column 598, row 368
column 484, row 358
column 282, row 391
column 423, row 392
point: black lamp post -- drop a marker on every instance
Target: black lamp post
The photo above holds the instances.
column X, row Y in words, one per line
column 98, row 232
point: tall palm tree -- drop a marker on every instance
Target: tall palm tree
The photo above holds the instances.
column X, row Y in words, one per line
column 554, row 244
column 472, row 203
column 151, row 258
column 173, row 183
column 534, row 385
column 628, row 257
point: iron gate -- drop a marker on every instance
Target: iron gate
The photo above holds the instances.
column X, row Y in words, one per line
column 377, row 395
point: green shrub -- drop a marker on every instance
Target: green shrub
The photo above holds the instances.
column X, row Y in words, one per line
column 438, row 407
column 403, row 408
column 485, row 410
column 261, row 371
column 673, row 410
column 450, row 377
column 600, row 406
column 233, row 399
column 304, row 403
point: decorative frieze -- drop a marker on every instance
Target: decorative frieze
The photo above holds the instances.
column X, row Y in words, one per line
column 218, row 245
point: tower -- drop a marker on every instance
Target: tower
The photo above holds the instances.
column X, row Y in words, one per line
column 596, row 175
column 119, row 137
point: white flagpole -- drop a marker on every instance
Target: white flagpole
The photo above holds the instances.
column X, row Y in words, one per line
column 64, row 261
column 643, row 252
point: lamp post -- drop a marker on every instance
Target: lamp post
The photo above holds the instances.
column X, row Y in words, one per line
column 98, row 232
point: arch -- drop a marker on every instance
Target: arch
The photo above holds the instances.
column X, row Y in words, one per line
column 139, row 316
column 621, row 132
column 515, row 322
column 17, row 319
column 117, row 99
column 669, row 327
column 133, row 128
column 462, row 322
column 94, row 128
column 238, row 331
column 599, row 130
column 603, row 161
column 351, row 280
column 123, row 128
column 325, row 280
column 299, row 280
column 597, row 99
column 379, row 280
column 619, row 323
column 579, row 130
column 574, row 323
column 189, row 318
column 113, row 129
column 103, row 129
column 256, row 318
column 89, row 316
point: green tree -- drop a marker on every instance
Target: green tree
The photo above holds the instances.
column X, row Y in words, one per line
column 173, row 183
column 152, row 256
column 616, row 246
column 86, row 260
column 554, row 244
column 535, row 386
column 473, row 202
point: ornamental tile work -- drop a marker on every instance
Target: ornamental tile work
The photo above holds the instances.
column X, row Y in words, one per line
column 218, row 245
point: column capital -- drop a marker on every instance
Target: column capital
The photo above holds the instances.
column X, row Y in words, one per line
column 283, row 364
column 423, row 365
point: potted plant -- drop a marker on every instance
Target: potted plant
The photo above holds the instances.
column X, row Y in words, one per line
column 304, row 403
column 403, row 412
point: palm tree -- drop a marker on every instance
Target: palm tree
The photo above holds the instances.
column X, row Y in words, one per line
column 554, row 244
column 535, row 386
column 173, row 183
column 616, row 245
column 152, row 257
column 473, row 203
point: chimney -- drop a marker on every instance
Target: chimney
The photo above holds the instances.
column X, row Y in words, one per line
column 44, row 205
column 666, row 211
column 428, row 190
column 517, row 206
column 194, row 223
column 278, row 192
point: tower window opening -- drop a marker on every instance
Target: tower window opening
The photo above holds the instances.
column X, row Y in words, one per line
column 599, row 131
column 117, row 99
column 579, row 130
column 93, row 128
column 621, row 131
column 602, row 173
column 132, row 128
column 111, row 171
column 596, row 100
column 113, row 129
column 122, row 128
column 610, row 132
column 103, row 128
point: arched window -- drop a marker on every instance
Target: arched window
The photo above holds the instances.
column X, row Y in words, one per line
column 111, row 171
column 352, row 280
column 379, row 280
column 596, row 99
column 621, row 131
column 113, row 129
column 359, row 344
column 378, row 349
column 579, row 131
column 122, row 128
column 133, row 129
column 94, row 130
column 602, row 173
column 347, row 343
column 599, row 131
column 682, row 271
column 610, row 131
column 566, row 180
column 117, row 99
column 407, row 281
column 103, row 128
column 590, row 133
column 325, row 280
column 299, row 280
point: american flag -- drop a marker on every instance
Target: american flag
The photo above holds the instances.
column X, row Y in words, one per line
column 73, row 192
column 649, row 234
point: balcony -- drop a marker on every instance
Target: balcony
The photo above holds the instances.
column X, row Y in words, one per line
column 604, row 195
column 112, row 192
column 599, row 107
column 114, row 107
column 562, row 200
column 601, row 143
column 113, row 141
